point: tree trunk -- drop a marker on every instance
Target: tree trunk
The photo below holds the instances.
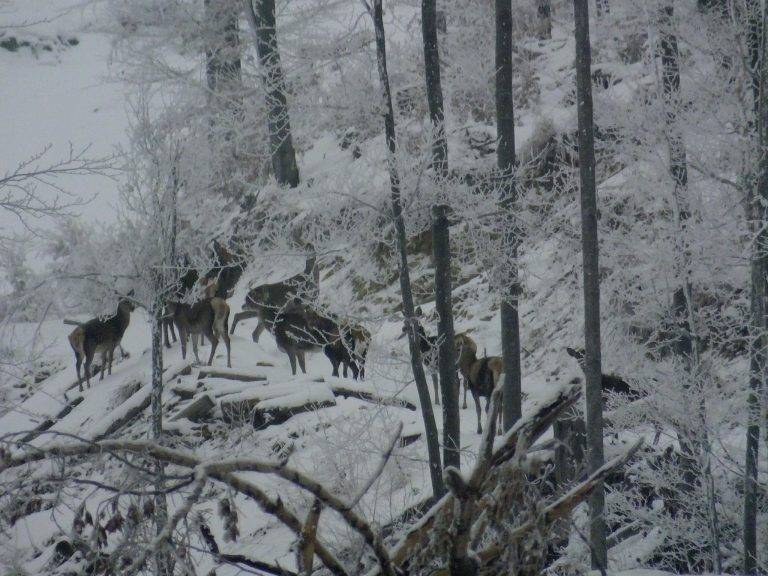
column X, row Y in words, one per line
column 262, row 22
column 434, row 88
column 433, row 445
column 163, row 560
column 544, row 14
column 589, row 241
column 446, row 356
column 505, row 157
column 759, row 267
column 222, row 56
column 224, row 80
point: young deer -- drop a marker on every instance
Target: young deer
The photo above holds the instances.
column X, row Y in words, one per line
column 100, row 336
column 609, row 382
column 484, row 375
column 267, row 301
column 209, row 318
column 300, row 329
column 350, row 350
column 428, row 345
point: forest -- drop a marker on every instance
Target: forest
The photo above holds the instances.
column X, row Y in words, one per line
column 384, row 287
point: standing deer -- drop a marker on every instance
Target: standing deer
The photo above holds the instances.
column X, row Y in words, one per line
column 267, row 301
column 102, row 336
column 484, row 374
column 609, row 382
column 428, row 345
column 209, row 318
column 351, row 349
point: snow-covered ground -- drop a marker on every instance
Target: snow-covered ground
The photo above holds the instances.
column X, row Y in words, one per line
column 60, row 91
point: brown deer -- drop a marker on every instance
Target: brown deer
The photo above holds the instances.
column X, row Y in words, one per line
column 267, row 301
column 209, row 318
column 484, row 374
column 301, row 329
column 102, row 336
column 466, row 350
column 609, row 382
column 351, row 349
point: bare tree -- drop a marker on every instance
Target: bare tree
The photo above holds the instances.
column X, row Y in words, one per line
column 434, row 87
column 589, row 242
column 446, row 355
column 505, row 155
column 757, row 202
column 262, row 21
column 433, row 445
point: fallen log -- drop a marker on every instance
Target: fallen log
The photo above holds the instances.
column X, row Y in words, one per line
column 368, row 396
column 279, row 410
column 200, row 408
column 229, row 374
column 48, row 422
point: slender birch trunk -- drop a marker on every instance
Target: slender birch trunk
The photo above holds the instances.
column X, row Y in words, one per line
column 430, row 427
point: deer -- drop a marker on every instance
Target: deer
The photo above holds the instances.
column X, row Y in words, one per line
column 609, row 382
column 428, row 345
column 299, row 329
column 351, row 349
column 102, row 336
column 208, row 317
column 484, row 374
column 266, row 302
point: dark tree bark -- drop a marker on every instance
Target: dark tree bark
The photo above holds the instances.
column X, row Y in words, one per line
column 434, row 87
column 262, row 21
column 449, row 382
column 544, row 14
column 756, row 19
column 505, row 158
column 589, row 241
column 433, row 445
column 224, row 81
column 222, row 56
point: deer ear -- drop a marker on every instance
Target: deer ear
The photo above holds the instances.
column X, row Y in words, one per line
column 130, row 292
column 418, row 312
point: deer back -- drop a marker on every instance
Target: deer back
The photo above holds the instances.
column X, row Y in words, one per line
column 107, row 332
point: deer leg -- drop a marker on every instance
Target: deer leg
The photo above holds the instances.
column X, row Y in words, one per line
column 466, row 387
column 436, row 387
column 292, row 359
column 183, row 340
column 111, row 357
column 214, row 344
column 242, row 315
column 333, row 358
column 194, row 347
column 88, row 360
column 225, row 336
column 302, row 361
column 78, row 364
column 257, row 331
column 166, row 339
column 104, row 356
column 476, row 396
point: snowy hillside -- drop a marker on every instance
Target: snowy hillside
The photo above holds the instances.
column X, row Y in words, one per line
column 218, row 208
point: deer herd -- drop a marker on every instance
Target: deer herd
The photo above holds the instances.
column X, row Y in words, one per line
column 287, row 310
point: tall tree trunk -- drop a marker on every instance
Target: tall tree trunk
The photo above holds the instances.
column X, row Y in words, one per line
column 544, row 15
column 449, row 382
column 433, row 445
column 262, row 22
column 757, row 216
column 505, row 158
column 163, row 560
column 434, row 88
column 224, row 80
column 589, row 241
